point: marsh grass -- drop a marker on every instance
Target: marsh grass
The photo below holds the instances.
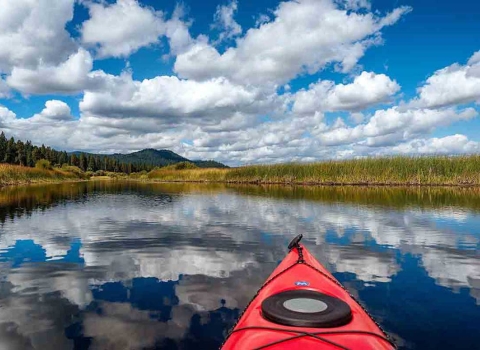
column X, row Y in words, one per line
column 188, row 175
column 435, row 170
column 14, row 175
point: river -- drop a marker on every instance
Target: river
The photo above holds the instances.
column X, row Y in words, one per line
column 125, row 265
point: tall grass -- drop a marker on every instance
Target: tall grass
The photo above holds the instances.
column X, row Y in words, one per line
column 188, row 175
column 14, row 174
column 435, row 170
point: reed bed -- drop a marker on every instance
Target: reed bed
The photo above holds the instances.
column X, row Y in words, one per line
column 16, row 175
column 188, row 175
column 435, row 170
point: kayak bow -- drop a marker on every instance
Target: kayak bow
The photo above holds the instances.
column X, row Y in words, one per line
column 302, row 306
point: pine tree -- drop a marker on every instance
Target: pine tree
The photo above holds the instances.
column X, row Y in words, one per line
column 10, row 152
column 73, row 160
column 83, row 162
column 62, row 159
column 43, row 152
column 3, row 146
column 21, row 155
column 91, row 164
column 28, row 154
column 36, row 155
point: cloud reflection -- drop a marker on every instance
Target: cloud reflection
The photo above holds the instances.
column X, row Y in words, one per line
column 214, row 249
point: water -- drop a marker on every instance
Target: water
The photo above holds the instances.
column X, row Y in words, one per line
column 136, row 266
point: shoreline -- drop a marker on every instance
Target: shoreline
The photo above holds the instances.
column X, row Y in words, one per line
column 40, row 182
column 312, row 183
column 246, row 182
column 434, row 171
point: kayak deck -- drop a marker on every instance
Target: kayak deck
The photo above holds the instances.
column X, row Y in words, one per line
column 300, row 271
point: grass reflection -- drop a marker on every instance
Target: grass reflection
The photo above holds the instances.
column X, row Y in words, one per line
column 21, row 200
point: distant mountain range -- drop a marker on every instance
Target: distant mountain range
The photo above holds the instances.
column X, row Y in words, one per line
column 156, row 158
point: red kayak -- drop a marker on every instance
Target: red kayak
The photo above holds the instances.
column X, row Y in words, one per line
column 302, row 306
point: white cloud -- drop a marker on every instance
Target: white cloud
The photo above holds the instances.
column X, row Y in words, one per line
column 455, row 84
column 54, row 111
column 227, row 104
column 33, row 32
column 395, row 125
column 366, row 90
column 53, row 126
column 354, row 4
column 4, row 89
column 6, row 117
column 119, row 29
column 168, row 99
column 261, row 19
column 357, row 117
column 69, row 77
column 177, row 32
column 225, row 22
column 454, row 144
column 305, row 36
column 474, row 59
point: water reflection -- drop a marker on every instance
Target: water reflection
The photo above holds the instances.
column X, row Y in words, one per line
column 136, row 266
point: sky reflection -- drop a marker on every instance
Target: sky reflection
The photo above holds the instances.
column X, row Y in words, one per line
column 159, row 266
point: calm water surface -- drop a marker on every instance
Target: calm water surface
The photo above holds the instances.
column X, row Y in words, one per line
column 139, row 266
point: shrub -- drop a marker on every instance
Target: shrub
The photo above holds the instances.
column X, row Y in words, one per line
column 72, row 169
column 181, row 166
column 43, row 164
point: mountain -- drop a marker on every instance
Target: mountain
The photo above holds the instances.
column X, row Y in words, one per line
column 157, row 158
column 150, row 156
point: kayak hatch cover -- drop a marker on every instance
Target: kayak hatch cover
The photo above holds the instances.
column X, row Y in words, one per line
column 302, row 306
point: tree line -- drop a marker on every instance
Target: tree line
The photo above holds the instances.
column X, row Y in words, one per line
column 27, row 154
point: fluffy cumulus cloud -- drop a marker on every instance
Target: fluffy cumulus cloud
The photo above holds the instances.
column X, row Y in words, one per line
column 168, row 99
column 225, row 22
column 54, row 125
column 33, row 33
column 243, row 103
column 455, row 144
column 393, row 125
column 366, row 90
column 68, row 77
column 6, row 117
column 55, row 111
column 455, row 84
column 121, row 28
column 305, row 36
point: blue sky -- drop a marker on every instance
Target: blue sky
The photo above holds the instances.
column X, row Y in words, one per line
column 243, row 81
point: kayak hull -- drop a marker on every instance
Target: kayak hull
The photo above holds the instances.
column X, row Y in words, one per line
column 301, row 271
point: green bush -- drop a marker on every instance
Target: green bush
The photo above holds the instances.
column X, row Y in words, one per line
column 180, row 166
column 72, row 169
column 43, row 164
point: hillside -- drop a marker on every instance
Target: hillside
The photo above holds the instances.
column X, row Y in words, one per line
column 150, row 156
column 156, row 158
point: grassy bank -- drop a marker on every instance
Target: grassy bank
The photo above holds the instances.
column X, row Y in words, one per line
column 19, row 175
column 438, row 170
column 389, row 171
